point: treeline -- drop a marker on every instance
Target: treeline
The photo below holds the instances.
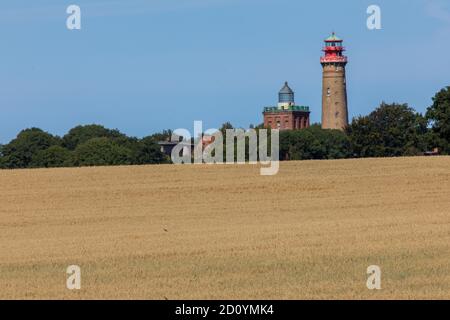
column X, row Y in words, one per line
column 90, row 145
column 391, row 130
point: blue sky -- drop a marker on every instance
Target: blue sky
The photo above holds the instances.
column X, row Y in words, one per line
column 143, row 66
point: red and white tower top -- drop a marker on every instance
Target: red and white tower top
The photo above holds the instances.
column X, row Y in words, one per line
column 333, row 51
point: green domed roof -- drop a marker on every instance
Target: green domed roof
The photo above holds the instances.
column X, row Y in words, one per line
column 333, row 37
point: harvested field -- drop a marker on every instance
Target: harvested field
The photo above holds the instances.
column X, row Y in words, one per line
column 225, row 232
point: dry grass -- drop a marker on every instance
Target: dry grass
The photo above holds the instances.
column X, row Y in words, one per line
column 309, row 232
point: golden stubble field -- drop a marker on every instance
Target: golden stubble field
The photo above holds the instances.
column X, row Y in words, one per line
column 225, row 232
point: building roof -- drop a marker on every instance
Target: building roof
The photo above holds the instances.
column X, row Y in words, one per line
column 287, row 109
column 286, row 89
column 333, row 37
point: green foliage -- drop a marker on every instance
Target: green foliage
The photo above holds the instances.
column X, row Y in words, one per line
column 166, row 135
column 20, row 151
column 148, row 152
column 53, row 157
column 82, row 134
column 101, row 152
column 314, row 143
column 2, row 158
column 439, row 116
column 91, row 145
column 116, row 147
column 225, row 126
column 391, row 130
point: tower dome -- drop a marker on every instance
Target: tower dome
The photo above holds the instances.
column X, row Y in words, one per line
column 286, row 95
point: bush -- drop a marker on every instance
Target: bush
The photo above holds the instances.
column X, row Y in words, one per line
column 439, row 117
column 314, row 143
column 148, row 151
column 391, row 130
column 53, row 157
column 101, row 152
column 20, row 151
column 82, row 134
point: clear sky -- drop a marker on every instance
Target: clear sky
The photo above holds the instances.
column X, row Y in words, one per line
column 143, row 66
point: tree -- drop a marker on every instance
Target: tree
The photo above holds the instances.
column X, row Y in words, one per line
column 20, row 151
column 148, row 152
column 314, row 143
column 439, row 117
column 391, row 130
column 82, row 134
column 101, row 152
column 2, row 158
column 166, row 135
column 53, row 157
column 224, row 127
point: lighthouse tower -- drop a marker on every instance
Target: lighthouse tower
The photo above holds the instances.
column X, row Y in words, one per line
column 334, row 87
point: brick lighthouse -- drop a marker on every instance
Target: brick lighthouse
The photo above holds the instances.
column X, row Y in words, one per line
column 334, row 87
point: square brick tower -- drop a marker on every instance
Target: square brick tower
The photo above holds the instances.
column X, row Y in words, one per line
column 334, row 85
column 287, row 115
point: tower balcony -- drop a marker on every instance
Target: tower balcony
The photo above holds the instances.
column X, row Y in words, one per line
column 334, row 59
column 335, row 48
